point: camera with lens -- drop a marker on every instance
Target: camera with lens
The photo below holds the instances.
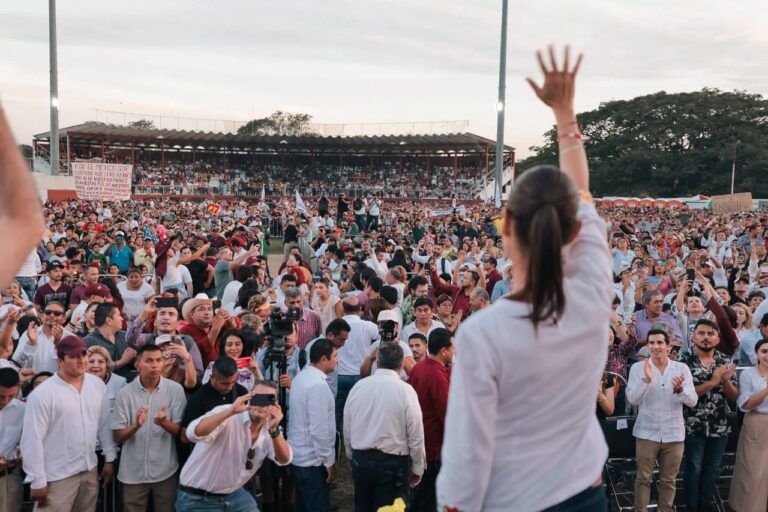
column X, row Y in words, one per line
column 279, row 326
column 387, row 331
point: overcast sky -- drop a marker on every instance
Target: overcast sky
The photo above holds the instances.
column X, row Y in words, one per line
column 366, row 61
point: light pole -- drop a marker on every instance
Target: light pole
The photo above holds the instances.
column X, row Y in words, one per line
column 733, row 167
column 500, row 105
column 54, row 140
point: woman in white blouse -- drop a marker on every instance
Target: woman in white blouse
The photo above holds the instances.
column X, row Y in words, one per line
column 749, row 486
column 521, row 417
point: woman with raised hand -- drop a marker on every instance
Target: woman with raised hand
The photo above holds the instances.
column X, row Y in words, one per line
column 521, row 417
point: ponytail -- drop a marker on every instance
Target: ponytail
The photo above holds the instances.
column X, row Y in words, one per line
column 544, row 275
column 543, row 205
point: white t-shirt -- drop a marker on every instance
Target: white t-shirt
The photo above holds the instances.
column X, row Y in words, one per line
column 525, row 398
column 134, row 300
column 172, row 277
column 406, row 353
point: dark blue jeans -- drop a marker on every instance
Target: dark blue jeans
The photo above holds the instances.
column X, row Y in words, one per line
column 378, row 481
column 592, row 499
column 701, row 468
column 312, row 491
column 345, row 385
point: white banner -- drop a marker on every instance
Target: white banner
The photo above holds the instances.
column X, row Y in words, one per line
column 102, row 182
column 300, row 206
column 461, row 211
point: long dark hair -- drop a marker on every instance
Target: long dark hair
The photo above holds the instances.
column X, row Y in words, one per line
column 543, row 205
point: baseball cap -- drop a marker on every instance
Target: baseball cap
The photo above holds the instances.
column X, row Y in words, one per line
column 54, row 264
column 71, row 346
column 389, row 314
column 624, row 265
column 97, row 289
column 162, row 339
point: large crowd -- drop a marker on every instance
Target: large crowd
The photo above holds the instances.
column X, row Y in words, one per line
column 156, row 343
column 391, row 180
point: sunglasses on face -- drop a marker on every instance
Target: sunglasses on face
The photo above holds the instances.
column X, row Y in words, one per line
column 54, row 313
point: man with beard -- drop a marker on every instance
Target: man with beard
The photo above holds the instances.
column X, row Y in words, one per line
column 706, row 423
column 54, row 289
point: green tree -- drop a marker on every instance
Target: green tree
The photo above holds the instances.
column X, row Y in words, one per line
column 667, row 145
column 142, row 124
column 26, row 150
column 279, row 123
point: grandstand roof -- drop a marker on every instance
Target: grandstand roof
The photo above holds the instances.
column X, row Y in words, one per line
column 113, row 135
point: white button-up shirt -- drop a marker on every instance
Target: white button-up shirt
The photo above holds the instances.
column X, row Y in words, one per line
column 150, row 454
column 383, row 413
column 312, row 429
column 520, row 454
column 61, row 427
column 11, row 421
column 411, row 329
column 660, row 417
column 362, row 334
column 217, row 463
column 331, row 378
column 40, row 357
column 751, row 382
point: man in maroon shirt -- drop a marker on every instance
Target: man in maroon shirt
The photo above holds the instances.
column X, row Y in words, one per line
column 430, row 378
column 55, row 289
column 459, row 294
column 492, row 274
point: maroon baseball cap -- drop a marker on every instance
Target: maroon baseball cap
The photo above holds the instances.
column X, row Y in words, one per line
column 71, row 346
column 97, row 289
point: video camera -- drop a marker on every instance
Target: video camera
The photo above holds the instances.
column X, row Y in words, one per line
column 279, row 326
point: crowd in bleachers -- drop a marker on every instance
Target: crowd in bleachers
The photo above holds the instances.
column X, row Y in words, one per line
column 246, row 179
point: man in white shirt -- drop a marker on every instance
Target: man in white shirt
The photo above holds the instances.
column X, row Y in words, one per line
column 11, row 419
column 312, row 430
column 145, row 422
column 231, row 442
column 64, row 418
column 337, row 333
column 384, row 434
column 660, row 386
column 423, row 323
column 37, row 346
column 362, row 334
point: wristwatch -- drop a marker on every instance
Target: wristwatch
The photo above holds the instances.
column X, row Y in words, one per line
column 275, row 433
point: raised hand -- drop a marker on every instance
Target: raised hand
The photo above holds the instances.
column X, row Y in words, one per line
column 558, row 88
column 677, row 384
column 32, row 334
column 241, row 404
column 161, row 416
column 141, row 416
column 648, row 370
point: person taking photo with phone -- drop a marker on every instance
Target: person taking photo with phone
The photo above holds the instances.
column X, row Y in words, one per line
column 231, row 443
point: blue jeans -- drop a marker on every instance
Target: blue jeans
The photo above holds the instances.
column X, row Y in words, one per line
column 238, row 501
column 312, row 491
column 345, row 385
column 378, row 481
column 592, row 499
column 701, row 468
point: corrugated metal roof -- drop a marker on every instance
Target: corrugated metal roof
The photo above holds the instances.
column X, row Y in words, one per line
column 95, row 132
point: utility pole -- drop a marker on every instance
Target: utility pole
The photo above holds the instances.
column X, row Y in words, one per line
column 500, row 107
column 733, row 167
column 54, row 139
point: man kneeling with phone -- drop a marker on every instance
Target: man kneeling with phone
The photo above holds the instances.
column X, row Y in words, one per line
column 232, row 441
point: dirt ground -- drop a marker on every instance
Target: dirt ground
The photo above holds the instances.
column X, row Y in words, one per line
column 343, row 494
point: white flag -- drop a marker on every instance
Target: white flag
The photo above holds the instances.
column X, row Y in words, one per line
column 262, row 192
column 300, row 206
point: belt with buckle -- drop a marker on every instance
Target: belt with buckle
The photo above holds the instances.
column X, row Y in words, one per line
column 201, row 492
column 8, row 470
